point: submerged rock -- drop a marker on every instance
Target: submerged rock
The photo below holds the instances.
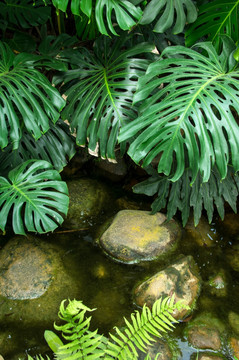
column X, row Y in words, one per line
column 203, row 356
column 136, row 236
column 26, row 269
column 233, row 319
column 202, row 234
column 217, row 284
column 205, row 332
column 181, row 278
column 232, row 256
column 88, row 198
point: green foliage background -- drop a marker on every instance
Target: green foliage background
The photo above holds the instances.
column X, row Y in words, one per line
column 157, row 78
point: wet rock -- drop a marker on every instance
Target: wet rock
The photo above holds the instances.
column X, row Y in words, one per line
column 232, row 256
column 114, row 171
column 217, row 284
column 202, row 234
column 87, row 200
column 33, row 283
column 234, row 345
column 233, row 319
column 26, row 269
column 205, row 332
column 203, row 356
column 181, row 278
column 136, row 236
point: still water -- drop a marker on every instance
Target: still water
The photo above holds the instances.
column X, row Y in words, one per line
column 107, row 285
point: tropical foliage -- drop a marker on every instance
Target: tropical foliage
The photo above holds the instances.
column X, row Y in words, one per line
column 159, row 79
column 138, row 334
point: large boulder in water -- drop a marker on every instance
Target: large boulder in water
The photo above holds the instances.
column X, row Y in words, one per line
column 181, row 278
column 88, row 198
column 26, row 269
column 136, row 235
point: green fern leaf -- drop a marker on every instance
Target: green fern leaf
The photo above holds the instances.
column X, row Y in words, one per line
column 143, row 326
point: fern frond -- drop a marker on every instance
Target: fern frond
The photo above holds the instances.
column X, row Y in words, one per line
column 145, row 325
column 82, row 343
column 38, row 357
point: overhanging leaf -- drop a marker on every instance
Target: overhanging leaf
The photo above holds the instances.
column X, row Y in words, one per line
column 57, row 146
column 169, row 13
column 24, row 13
column 36, row 195
column 182, row 196
column 126, row 15
column 218, row 17
column 99, row 91
column 26, row 97
column 191, row 120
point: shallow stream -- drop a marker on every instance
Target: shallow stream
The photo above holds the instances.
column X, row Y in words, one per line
column 107, row 285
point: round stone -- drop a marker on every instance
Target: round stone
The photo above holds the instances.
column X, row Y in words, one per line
column 26, row 270
column 180, row 278
column 136, row 235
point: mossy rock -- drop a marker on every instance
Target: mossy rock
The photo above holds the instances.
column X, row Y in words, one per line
column 136, row 236
column 88, row 199
column 181, row 278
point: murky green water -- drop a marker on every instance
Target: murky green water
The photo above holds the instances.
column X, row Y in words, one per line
column 107, row 286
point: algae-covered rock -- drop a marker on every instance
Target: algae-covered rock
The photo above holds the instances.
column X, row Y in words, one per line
column 26, row 269
column 232, row 255
column 88, row 198
column 234, row 346
column 136, row 236
column 233, row 319
column 202, row 234
column 205, row 332
column 181, row 278
column 33, row 284
column 203, row 356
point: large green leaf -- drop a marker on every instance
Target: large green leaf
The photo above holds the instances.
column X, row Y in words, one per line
column 100, row 90
column 181, row 196
column 36, row 195
column 191, row 119
column 216, row 18
column 125, row 12
column 26, row 97
column 57, row 146
column 169, row 13
column 23, row 13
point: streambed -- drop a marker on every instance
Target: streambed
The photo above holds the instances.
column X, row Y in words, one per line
column 91, row 276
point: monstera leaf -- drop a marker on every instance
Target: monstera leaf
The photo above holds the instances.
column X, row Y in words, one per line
column 57, row 146
column 181, row 196
column 23, row 13
column 126, row 13
column 27, row 97
column 99, row 91
column 216, row 18
column 36, row 195
column 191, row 120
column 169, row 13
